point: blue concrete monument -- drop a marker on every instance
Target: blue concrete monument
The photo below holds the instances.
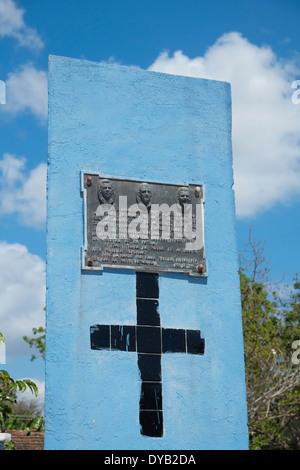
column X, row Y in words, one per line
column 144, row 346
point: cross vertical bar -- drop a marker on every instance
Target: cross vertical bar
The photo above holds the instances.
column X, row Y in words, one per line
column 149, row 350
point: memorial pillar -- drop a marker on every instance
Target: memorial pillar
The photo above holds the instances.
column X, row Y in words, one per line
column 144, row 345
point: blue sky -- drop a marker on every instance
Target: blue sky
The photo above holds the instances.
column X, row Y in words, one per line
column 255, row 45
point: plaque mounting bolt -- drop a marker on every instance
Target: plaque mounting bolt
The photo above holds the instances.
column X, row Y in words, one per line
column 200, row 268
column 197, row 191
column 90, row 262
column 89, row 181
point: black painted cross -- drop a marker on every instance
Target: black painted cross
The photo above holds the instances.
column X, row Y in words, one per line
column 150, row 341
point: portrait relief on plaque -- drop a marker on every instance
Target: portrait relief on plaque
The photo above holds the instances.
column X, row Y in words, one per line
column 106, row 192
column 183, row 196
column 144, row 195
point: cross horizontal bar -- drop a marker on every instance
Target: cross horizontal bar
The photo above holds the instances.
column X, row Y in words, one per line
column 146, row 339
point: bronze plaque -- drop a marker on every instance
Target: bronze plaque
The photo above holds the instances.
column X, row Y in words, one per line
column 143, row 225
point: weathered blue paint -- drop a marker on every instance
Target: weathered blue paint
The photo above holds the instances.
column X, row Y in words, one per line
column 126, row 122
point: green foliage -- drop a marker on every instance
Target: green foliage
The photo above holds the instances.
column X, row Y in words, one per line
column 9, row 446
column 8, row 392
column 37, row 342
column 270, row 325
column 290, row 310
column 25, row 422
column 8, row 389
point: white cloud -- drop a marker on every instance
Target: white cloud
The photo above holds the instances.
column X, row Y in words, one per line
column 27, row 90
column 266, row 123
column 22, row 295
column 12, row 25
column 23, row 194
